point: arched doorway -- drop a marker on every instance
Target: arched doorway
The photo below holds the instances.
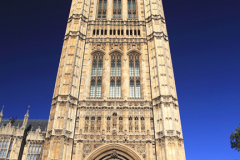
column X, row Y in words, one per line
column 113, row 152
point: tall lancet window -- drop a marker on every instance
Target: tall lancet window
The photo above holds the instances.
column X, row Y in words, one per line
column 115, row 83
column 102, row 8
column 134, row 73
column 117, row 9
column 96, row 79
column 132, row 9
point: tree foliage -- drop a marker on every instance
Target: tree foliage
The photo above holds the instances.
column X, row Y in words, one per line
column 235, row 139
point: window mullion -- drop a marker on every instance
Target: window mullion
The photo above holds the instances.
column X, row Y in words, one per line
column 115, row 78
column 115, row 87
column 132, row 10
column 97, row 68
column 134, row 67
column 102, row 9
column 96, row 79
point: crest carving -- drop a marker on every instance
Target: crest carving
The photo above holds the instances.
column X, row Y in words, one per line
column 87, row 148
column 141, row 148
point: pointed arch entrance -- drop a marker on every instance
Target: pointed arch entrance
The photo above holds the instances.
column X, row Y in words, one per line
column 113, row 152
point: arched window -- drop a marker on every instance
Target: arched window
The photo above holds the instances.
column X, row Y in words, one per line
column 117, row 8
column 114, row 120
column 92, row 123
column 136, row 124
column 131, row 9
column 115, row 83
column 86, row 124
column 151, row 123
column 130, row 124
column 120, row 124
column 98, row 123
column 108, row 124
column 102, row 8
column 96, row 82
column 134, row 73
column 142, row 124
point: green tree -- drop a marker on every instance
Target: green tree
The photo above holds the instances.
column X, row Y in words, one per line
column 235, row 139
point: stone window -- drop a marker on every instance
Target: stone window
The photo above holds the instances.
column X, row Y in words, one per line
column 98, row 123
column 120, row 124
column 116, row 8
column 132, row 9
column 92, row 123
column 5, row 148
column 134, row 73
column 142, row 123
column 115, row 83
column 114, row 120
column 130, row 124
column 86, row 124
column 136, row 124
column 108, row 124
column 96, row 79
column 102, row 8
column 77, row 122
column 151, row 123
column 34, row 151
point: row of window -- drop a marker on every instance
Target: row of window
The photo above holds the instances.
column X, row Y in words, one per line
column 115, row 76
column 116, row 32
column 5, row 148
column 113, row 122
column 117, row 9
column 34, row 151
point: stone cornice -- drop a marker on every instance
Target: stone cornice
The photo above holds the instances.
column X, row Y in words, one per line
column 78, row 16
column 75, row 34
column 115, row 40
column 155, row 17
column 158, row 35
column 168, row 96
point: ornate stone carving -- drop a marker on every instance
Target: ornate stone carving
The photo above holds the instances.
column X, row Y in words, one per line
column 97, row 145
column 87, row 148
column 111, row 46
column 138, row 46
column 131, row 145
column 141, row 148
column 126, row 137
column 114, row 154
column 120, row 46
column 103, row 137
column 114, row 132
column 103, row 46
column 129, row 46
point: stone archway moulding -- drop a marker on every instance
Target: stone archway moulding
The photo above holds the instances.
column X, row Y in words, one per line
column 134, row 51
column 112, row 147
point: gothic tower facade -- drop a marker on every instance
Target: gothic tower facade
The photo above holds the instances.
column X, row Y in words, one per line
column 115, row 94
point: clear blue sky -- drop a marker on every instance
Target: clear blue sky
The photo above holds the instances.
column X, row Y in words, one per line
column 205, row 43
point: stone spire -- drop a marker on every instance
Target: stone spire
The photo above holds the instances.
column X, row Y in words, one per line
column 1, row 114
column 24, row 125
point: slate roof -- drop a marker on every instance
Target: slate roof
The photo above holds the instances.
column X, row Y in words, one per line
column 32, row 123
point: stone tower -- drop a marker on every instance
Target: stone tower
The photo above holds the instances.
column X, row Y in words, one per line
column 115, row 94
